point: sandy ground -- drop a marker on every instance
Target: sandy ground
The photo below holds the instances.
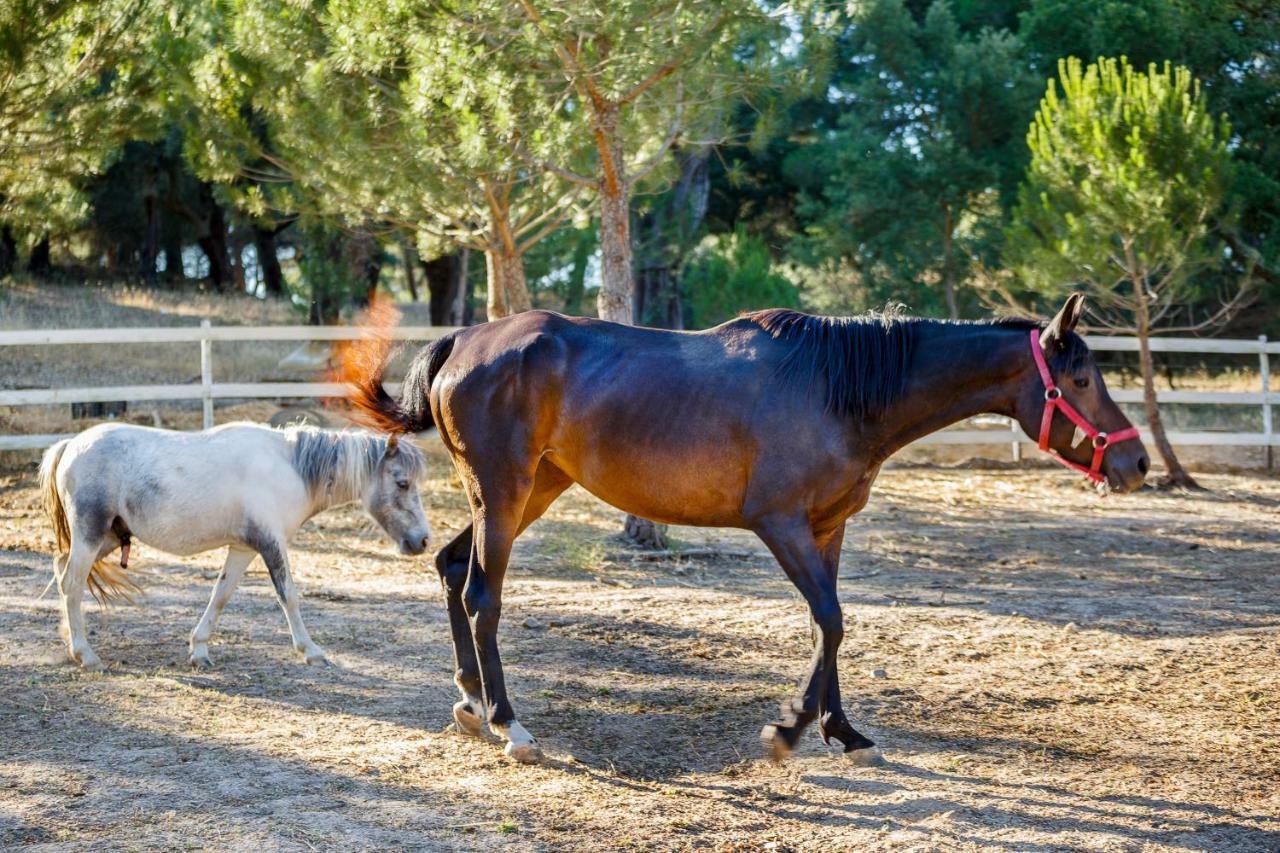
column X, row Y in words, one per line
column 1046, row 670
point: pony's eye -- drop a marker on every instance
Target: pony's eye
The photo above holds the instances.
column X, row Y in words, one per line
column 1082, row 382
column 403, row 484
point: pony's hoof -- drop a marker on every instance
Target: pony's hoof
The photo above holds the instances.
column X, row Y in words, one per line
column 316, row 658
column 870, row 756
column 467, row 720
column 201, row 662
column 526, row 753
column 92, row 663
column 775, row 743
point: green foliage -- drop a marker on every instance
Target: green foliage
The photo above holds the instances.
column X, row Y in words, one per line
column 1127, row 170
column 923, row 156
column 732, row 273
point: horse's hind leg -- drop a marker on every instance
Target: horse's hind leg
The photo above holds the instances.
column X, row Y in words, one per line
column 832, row 721
column 453, row 563
column 272, row 549
column 513, row 502
column 792, row 543
column 238, row 559
column 72, row 581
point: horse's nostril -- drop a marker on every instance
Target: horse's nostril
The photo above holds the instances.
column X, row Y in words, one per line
column 426, row 542
column 1144, row 465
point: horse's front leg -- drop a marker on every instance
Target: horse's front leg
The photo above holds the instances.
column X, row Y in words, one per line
column 832, row 722
column 238, row 559
column 273, row 549
column 793, row 544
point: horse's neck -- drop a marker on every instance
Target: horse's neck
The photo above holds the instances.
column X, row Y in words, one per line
column 957, row 372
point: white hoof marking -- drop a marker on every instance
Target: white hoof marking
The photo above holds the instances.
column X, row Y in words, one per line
column 520, row 744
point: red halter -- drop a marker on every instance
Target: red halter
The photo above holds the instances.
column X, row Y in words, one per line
column 1054, row 401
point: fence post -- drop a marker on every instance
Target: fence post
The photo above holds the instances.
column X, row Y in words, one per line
column 1016, row 446
column 1264, row 364
column 206, row 375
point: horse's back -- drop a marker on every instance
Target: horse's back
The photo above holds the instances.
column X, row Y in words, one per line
column 179, row 491
column 652, row 421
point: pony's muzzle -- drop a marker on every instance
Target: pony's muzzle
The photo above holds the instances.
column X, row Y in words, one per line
column 415, row 544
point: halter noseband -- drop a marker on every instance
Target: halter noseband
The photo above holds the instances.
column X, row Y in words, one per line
column 1054, row 401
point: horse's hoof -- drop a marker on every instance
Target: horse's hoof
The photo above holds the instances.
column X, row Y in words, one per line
column 526, row 753
column 92, row 663
column 775, row 743
column 201, row 662
column 316, row 658
column 870, row 756
column 467, row 720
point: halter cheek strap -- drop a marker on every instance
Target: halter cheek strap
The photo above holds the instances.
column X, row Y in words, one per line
column 1054, row 402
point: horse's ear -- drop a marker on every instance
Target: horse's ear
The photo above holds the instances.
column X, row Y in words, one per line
column 1064, row 322
column 393, row 446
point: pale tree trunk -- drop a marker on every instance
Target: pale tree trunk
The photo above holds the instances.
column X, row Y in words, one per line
column 1177, row 475
column 508, row 289
column 617, row 286
column 948, row 262
column 504, row 263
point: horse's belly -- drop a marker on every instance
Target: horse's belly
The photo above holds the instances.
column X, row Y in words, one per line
column 667, row 487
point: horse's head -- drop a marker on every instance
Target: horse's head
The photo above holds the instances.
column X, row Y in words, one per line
column 391, row 496
column 1074, row 379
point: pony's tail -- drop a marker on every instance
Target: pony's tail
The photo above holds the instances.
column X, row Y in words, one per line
column 106, row 582
column 362, row 364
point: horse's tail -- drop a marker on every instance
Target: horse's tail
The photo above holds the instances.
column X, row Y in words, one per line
column 362, row 364
column 53, row 499
column 105, row 582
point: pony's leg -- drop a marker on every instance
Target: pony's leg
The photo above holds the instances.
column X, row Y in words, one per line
column 72, row 581
column 501, row 516
column 793, row 544
column 832, row 722
column 453, row 563
column 277, row 559
column 238, row 559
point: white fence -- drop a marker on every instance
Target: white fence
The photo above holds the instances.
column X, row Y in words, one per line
column 207, row 390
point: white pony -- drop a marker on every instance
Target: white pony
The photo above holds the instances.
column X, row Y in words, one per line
column 240, row 485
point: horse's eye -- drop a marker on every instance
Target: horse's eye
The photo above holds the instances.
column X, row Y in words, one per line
column 403, row 484
column 1082, row 382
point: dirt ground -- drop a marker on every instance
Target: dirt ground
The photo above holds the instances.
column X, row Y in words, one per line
column 1045, row 669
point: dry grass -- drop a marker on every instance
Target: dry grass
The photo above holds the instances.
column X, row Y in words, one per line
column 1063, row 673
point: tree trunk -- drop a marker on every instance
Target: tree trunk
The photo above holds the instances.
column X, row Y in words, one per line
column 617, row 286
column 235, row 255
column 409, row 260
column 40, row 263
column 446, row 279
column 173, row 270
column 508, row 289
column 1177, row 475
column 948, row 262
column 669, row 231
column 212, row 238
column 8, row 251
column 264, row 243
column 151, row 231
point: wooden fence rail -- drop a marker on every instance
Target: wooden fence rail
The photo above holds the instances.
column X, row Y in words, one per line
column 206, row 335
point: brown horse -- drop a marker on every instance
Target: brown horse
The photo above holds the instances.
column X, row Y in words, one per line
column 776, row 422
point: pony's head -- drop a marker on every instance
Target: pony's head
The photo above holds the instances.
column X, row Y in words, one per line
column 1078, row 382
column 390, row 495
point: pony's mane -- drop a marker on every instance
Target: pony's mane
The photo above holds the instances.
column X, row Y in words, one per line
column 344, row 459
column 862, row 363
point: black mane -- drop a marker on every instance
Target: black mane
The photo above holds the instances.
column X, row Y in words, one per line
column 863, row 362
